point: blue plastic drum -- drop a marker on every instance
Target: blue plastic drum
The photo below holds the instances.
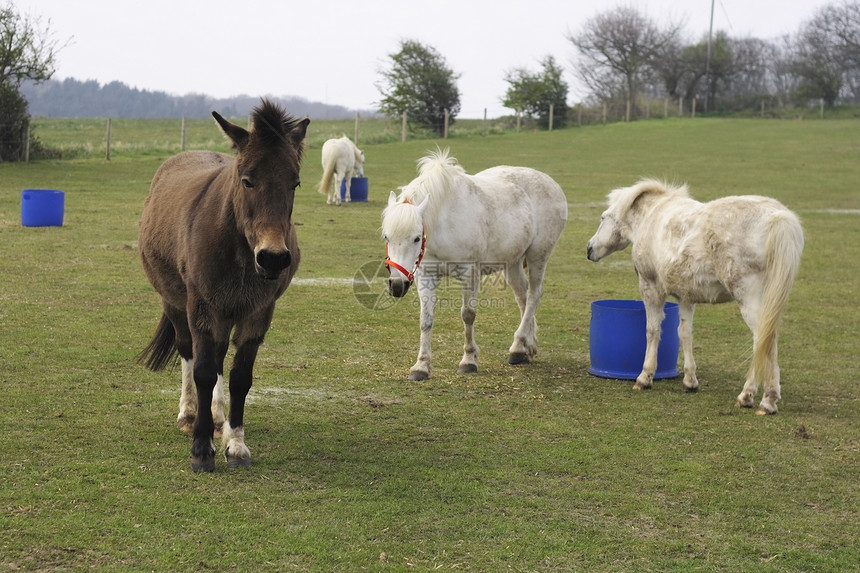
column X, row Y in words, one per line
column 42, row 207
column 617, row 340
column 358, row 188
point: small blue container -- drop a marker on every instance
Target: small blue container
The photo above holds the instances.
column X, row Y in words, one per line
column 42, row 207
column 358, row 188
column 617, row 340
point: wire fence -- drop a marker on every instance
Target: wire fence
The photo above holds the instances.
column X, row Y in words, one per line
column 63, row 138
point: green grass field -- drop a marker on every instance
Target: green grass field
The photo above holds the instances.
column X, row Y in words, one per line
column 539, row 467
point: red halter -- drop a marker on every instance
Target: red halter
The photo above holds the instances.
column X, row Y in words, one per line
column 409, row 274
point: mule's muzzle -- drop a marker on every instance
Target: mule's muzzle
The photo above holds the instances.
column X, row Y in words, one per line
column 398, row 287
column 270, row 264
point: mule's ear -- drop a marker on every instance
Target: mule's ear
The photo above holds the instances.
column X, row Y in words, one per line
column 392, row 198
column 423, row 206
column 238, row 135
column 297, row 134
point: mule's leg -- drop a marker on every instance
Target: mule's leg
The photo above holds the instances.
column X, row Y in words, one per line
column 685, row 333
column 471, row 285
column 188, row 399
column 426, row 286
column 210, row 347
column 653, row 319
column 247, row 338
column 218, row 402
column 188, row 396
column 524, row 347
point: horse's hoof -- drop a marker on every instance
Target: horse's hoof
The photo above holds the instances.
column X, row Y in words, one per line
column 199, row 465
column 518, row 358
column 237, row 462
column 185, row 424
column 467, row 369
column 740, row 404
column 691, row 389
column 639, row 386
column 418, row 376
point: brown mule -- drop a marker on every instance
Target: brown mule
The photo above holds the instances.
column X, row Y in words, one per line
column 218, row 244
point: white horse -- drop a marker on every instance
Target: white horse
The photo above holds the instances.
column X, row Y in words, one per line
column 736, row 248
column 341, row 159
column 448, row 223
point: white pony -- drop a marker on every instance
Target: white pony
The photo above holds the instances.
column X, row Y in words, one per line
column 341, row 159
column 448, row 223
column 736, row 248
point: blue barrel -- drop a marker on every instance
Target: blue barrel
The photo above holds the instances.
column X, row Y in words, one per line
column 357, row 189
column 42, row 207
column 617, row 340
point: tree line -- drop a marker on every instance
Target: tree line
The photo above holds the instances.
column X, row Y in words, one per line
column 74, row 98
column 624, row 59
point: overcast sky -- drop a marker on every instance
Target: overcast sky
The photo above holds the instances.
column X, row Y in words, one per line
column 332, row 50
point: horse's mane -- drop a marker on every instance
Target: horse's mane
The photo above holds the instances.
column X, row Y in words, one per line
column 622, row 200
column 437, row 172
column 272, row 124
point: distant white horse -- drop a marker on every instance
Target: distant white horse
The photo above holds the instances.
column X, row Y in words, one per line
column 341, row 159
column 448, row 223
column 736, row 248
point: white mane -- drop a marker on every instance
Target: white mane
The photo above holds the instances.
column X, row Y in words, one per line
column 437, row 173
column 621, row 200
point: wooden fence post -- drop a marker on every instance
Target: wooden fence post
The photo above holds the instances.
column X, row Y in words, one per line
column 445, row 133
column 484, row 124
column 182, row 142
column 680, row 107
column 107, row 152
column 519, row 113
column 693, row 111
column 604, row 113
column 551, row 109
column 665, row 108
column 357, row 117
column 27, row 144
column 403, row 129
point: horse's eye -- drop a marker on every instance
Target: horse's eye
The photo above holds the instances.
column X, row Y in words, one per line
column 417, row 240
column 246, row 183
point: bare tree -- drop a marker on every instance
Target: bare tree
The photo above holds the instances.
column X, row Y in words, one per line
column 844, row 22
column 28, row 49
column 27, row 52
column 618, row 49
column 818, row 59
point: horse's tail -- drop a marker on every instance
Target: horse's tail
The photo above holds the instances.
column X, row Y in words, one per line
column 161, row 350
column 328, row 174
column 783, row 249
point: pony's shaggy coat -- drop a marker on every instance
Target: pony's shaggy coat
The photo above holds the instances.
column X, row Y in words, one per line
column 745, row 248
